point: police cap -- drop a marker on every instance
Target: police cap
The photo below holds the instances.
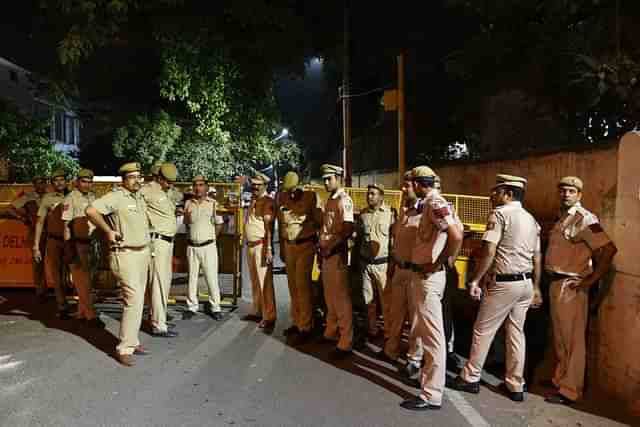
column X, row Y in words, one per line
column 328, row 170
column 291, row 181
column 169, row 172
column 571, row 181
column 129, row 168
column 260, row 178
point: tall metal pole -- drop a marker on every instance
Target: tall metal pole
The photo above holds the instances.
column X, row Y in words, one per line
column 401, row 120
column 346, row 103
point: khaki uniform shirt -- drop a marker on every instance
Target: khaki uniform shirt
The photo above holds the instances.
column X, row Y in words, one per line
column 73, row 209
column 337, row 211
column 517, row 236
column 201, row 220
column 374, row 231
column 298, row 218
column 572, row 241
column 51, row 208
column 255, row 226
column 161, row 209
column 30, row 201
column 128, row 216
column 404, row 232
column 436, row 216
column 176, row 195
column 30, row 196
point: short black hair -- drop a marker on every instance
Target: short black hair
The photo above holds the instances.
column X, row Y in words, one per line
column 517, row 193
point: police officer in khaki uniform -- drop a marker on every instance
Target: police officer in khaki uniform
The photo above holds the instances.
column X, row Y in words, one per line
column 337, row 228
column 576, row 238
column 258, row 229
column 161, row 210
column 204, row 225
column 299, row 216
column 77, row 232
column 127, row 230
column 403, row 304
column 438, row 241
column 374, row 235
column 512, row 252
column 50, row 210
column 25, row 208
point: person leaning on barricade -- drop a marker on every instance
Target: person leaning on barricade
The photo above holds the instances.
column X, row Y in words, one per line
column 25, row 208
column 299, row 218
column 511, row 253
column 77, row 236
column 126, row 227
column 204, row 226
column 576, row 238
column 50, row 219
column 337, row 228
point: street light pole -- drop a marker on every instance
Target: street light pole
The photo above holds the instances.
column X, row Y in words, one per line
column 283, row 134
column 346, row 102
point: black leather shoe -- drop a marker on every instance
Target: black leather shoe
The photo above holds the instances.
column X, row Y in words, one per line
column 558, row 399
column 338, row 354
column 64, row 315
column 95, row 323
column 291, row 330
column 418, row 404
column 516, row 396
column 461, row 385
column 411, row 370
column 217, row 315
column 165, row 334
column 188, row 314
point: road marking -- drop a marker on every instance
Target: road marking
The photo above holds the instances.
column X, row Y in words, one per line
column 463, row 406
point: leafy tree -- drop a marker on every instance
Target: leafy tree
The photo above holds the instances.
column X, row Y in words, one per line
column 28, row 151
column 146, row 139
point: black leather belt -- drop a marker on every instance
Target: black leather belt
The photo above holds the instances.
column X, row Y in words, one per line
column 199, row 245
column 513, row 277
column 82, row 241
column 302, row 240
column 376, row 261
column 161, row 237
column 55, row 237
column 404, row 265
column 557, row 276
column 418, row 268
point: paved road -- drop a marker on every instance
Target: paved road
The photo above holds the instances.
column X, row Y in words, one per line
column 55, row 373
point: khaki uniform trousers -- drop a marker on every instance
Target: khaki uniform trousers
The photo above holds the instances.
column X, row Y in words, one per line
column 131, row 269
column 374, row 282
column 299, row 261
column 161, row 276
column 504, row 302
column 261, row 274
column 205, row 258
column 53, row 270
column 402, row 307
column 569, row 314
column 82, row 281
column 337, row 295
column 430, row 328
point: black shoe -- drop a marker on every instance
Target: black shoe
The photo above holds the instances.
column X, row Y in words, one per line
column 302, row 337
column 64, row 315
column 411, row 370
column 217, row 315
column 516, row 396
column 95, row 323
column 338, row 354
column 461, row 385
column 418, row 404
column 558, row 399
column 165, row 334
column 188, row 314
column 291, row 330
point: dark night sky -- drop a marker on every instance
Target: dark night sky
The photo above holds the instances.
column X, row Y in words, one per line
column 309, row 105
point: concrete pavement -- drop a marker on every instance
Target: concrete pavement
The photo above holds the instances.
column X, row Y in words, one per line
column 55, row 373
